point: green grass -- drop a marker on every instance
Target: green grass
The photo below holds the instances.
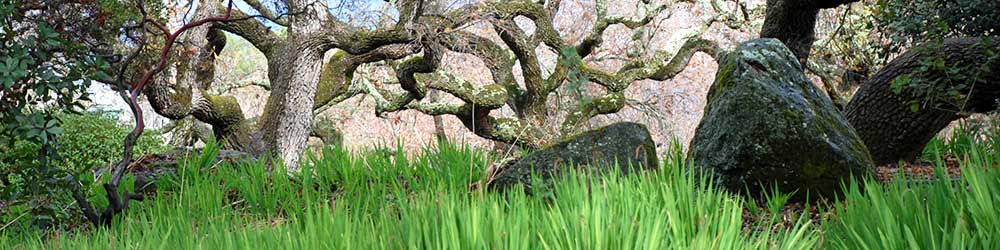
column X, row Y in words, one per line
column 377, row 200
column 941, row 214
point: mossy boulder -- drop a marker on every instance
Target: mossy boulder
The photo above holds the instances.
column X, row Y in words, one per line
column 623, row 147
column 765, row 123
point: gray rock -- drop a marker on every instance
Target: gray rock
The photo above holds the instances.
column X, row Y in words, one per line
column 147, row 169
column 765, row 123
column 623, row 147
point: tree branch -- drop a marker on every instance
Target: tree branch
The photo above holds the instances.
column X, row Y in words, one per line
column 336, row 81
column 118, row 203
column 595, row 38
column 652, row 69
column 267, row 13
column 252, row 30
column 606, row 104
column 243, row 84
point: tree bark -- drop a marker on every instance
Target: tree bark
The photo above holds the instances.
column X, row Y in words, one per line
column 195, row 72
column 294, row 72
column 439, row 132
column 287, row 118
column 794, row 23
column 884, row 119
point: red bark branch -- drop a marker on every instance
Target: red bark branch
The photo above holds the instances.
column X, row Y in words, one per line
column 116, row 203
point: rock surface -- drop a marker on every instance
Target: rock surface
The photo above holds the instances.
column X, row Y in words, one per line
column 150, row 168
column 625, row 147
column 765, row 122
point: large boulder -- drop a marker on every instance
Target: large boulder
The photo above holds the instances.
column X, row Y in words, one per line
column 624, row 147
column 765, row 123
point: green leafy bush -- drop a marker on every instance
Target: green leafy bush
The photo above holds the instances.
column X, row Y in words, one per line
column 47, row 61
column 95, row 140
column 904, row 24
column 88, row 141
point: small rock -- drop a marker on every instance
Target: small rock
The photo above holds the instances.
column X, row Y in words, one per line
column 149, row 168
column 624, row 147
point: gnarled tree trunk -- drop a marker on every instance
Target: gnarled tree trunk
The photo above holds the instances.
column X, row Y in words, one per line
column 195, row 72
column 294, row 72
column 302, row 85
column 884, row 119
column 794, row 23
column 295, row 68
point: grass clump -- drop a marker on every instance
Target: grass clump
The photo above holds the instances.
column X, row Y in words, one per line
column 943, row 213
column 375, row 200
column 384, row 199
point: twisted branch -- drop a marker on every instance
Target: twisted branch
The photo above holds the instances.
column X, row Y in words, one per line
column 118, row 202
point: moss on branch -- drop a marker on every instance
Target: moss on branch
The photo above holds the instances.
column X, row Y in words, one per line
column 492, row 96
column 334, row 80
column 252, row 30
column 605, row 104
column 652, row 69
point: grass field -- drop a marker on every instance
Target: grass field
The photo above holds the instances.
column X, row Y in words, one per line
column 380, row 200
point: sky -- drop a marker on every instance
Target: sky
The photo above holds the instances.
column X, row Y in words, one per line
column 344, row 10
column 355, row 12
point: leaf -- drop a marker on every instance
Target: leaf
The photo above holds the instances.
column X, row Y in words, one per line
column 55, row 130
column 11, row 62
column 33, row 133
column 102, row 75
column 899, row 83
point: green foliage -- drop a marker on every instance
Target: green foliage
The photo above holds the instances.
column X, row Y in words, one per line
column 42, row 72
column 865, row 37
column 375, row 200
column 776, row 199
column 903, row 24
column 48, row 58
column 575, row 78
column 939, row 84
column 88, row 141
column 95, row 140
column 970, row 133
column 941, row 214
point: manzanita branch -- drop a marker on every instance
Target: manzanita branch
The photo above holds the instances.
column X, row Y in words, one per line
column 116, row 203
column 138, row 86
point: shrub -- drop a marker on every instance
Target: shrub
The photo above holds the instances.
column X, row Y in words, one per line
column 95, row 140
column 89, row 141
